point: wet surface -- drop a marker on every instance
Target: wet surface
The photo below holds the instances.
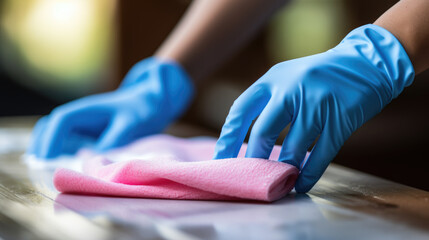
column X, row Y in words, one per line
column 345, row 204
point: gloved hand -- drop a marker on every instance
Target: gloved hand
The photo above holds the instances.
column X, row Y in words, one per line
column 328, row 95
column 153, row 94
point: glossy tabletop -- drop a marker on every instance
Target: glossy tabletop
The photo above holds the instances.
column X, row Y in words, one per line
column 345, row 204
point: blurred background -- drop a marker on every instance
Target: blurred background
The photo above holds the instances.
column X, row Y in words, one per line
column 54, row 51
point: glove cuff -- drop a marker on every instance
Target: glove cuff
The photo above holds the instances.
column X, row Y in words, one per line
column 173, row 81
column 386, row 53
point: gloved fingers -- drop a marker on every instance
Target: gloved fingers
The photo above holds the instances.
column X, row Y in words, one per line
column 117, row 133
column 273, row 119
column 302, row 133
column 56, row 136
column 87, row 104
column 36, row 135
column 244, row 110
column 327, row 146
column 51, row 140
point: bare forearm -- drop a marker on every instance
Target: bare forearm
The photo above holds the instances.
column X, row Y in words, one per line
column 408, row 20
column 213, row 30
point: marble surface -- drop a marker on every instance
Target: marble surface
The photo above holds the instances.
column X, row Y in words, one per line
column 345, row 204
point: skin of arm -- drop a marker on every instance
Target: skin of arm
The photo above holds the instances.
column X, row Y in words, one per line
column 408, row 20
column 211, row 31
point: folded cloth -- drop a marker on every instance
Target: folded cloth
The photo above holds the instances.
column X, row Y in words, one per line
column 163, row 166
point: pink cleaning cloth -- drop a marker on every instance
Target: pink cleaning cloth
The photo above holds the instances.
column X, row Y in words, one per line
column 162, row 166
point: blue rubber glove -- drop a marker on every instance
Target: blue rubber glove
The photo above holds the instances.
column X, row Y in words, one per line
column 328, row 95
column 152, row 95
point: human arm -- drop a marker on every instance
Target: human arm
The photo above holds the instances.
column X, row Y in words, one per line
column 211, row 31
column 408, row 20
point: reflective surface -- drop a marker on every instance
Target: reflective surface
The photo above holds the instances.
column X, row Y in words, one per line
column 345, row 204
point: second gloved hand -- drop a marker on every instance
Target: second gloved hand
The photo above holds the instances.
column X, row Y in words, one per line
column 153, row 94
column 328, row 95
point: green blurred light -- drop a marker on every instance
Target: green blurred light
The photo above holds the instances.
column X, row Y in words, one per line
column 306, row 27
column 60, row 45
